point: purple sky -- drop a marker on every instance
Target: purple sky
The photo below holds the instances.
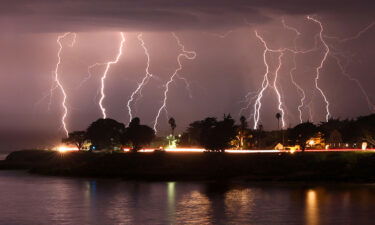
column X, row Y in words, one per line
column 224, row 71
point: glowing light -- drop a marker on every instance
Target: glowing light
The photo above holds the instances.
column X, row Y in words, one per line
column 319, row 68
column 104, row 76
column 364, row 146
column 64, row 148
column 186, row 54
column 312, row 209
column 144, row 81
column 58, row 82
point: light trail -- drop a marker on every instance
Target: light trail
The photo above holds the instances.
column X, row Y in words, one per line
column 246, row 151
column 186, row 54
column 104, row 76
column 146, row 78
column 66, row 149
column 319, row 68
column 58, row 82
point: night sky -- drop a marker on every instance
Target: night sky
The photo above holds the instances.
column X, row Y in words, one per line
column 228, row 65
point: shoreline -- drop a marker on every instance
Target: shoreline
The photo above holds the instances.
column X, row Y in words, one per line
column 161, row 166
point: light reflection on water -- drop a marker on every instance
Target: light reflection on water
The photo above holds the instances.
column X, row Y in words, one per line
column 32, row 199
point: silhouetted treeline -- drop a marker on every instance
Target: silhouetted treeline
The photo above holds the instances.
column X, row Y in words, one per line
column 338, row 133
column 218, row 135
column 111, row 135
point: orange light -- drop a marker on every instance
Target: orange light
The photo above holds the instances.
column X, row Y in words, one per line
column 64, row 148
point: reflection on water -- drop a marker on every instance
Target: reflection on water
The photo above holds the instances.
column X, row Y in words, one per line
column 31, row 199
column 312, row 214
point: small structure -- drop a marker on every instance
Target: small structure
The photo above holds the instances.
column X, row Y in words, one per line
column 291, row 148
column 335, row 140
column 279, row 146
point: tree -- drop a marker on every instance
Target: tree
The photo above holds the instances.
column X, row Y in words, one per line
column 172, row 123
column 278, row 116
column 77, row 138
column 212, row 134
column 242, row 131
column 105, row 133
column 196, row 130
column 139, row 135
column 302, row 132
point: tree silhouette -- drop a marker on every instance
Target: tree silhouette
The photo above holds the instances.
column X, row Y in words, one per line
column 77, row 138
column 278, row 116
column 172, row 123
column 105, row 133
column 242, row 131
column 302, row 132
column 139, row 135
column 212, row 134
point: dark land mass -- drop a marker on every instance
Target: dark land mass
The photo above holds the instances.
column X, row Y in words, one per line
column 307, row 166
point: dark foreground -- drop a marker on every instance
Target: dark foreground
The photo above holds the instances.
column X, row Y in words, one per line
column 319, row 166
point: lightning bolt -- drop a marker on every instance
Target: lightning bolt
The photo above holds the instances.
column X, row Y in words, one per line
column 184, row 54
column 356, row 36
column 266, row 80
column 104, row 76
column 280, row 105
column 336, row 55
column 58, row 82
column 370, row 105
column 294, row 68
column 144, row 81
column 219, row 35
column 299, row 89
column 265, row 83
column 89, row 74
column 319, row 68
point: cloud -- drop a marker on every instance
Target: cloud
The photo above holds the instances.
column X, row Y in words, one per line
column 60, row 15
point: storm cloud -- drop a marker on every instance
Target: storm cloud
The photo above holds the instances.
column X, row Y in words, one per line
column 80, row 15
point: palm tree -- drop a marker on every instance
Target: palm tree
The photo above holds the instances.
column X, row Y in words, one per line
column 278, row 116
column 172, row 123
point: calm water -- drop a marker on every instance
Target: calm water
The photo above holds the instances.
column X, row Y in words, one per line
column 32, row 199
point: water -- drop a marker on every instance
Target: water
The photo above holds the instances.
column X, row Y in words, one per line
column 33, row 199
